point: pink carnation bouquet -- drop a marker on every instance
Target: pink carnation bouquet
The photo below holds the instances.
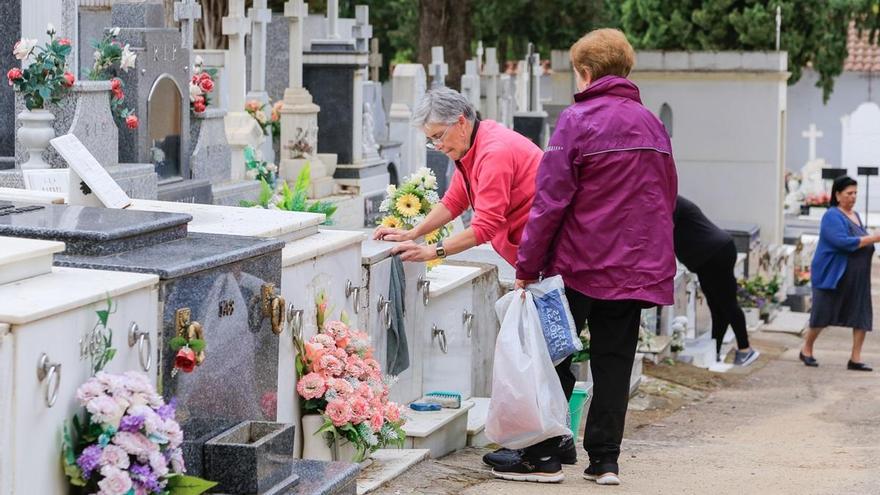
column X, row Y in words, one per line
column 128, row 442
column 339, row 379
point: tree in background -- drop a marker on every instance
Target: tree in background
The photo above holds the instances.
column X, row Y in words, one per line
column 813, row 32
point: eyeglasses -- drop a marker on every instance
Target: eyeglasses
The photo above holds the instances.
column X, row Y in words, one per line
column 432, row 143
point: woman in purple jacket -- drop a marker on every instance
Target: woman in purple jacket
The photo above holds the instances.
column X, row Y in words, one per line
column 602, row 218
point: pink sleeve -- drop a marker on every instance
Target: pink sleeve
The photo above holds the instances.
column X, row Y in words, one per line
column 455, row 200
column 492, row 198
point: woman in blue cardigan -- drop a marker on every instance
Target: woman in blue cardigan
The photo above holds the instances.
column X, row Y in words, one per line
column 841, row 274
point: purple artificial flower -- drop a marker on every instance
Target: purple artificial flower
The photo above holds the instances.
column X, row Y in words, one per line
column 89, row 459
column 131, row 424
column 144, row 476
column 167, row 411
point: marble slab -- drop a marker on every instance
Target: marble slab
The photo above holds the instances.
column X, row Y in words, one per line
column 324, row 478
column 424, row 423
column 63, row 290
column 375, row 251
column 445, row 278
column 387, row 465
column 320, row 244
column 179, row 257
column 25, row 258
column 94, row 231
column 788, row 322
column 477, row 415
column 234, row 220
column 485, row 254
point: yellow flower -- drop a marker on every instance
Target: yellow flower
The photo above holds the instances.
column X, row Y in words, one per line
column 391, row 221
column 432, row 237
column 409, row 205
column 434, row 263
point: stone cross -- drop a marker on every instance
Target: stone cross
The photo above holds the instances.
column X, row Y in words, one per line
column 533, row 61
column 296, row 12
column 332, row 19
column 236, row 26
column 362, row 30
column 480, row 56
column 470, row 83
column 375, row 60
column 438, row 68
column 812, row 134
column 186, row 12
column 491, row 72
column 69, row 29
column 260, row 16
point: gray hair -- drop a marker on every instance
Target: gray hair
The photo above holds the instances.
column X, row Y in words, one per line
column 442, row 106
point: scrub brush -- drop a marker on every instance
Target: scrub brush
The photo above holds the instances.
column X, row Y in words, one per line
column 449, row 400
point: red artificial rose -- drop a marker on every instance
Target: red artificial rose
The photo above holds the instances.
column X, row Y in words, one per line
column 132, row 122
column 64, row 42
column 14, row 74
column 207, row 85
column 195, row 79
column 115, row 83
column 186, row 359
column 118, row 94
column 199, row 105
column 69, row 79
column 204, row 75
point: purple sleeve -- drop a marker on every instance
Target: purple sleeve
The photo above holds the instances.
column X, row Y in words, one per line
column 556, row 184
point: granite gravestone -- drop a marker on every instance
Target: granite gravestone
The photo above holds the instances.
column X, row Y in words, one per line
column 210, row 157
column 157, row 89
column 10, row 12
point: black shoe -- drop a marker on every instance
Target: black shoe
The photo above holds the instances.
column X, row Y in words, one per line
column 543, row 470
column 502, row 457
column 568, row 453
column 809, row 360
column 850, row 365
column 602, row 473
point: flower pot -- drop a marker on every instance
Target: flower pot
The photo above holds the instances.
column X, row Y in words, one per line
column 322, row 447
column 753, row 317
column 35, row 132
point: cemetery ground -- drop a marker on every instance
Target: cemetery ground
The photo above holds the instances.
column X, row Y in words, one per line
column 776, row 427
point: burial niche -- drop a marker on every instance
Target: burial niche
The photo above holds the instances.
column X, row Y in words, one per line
column 164, row 117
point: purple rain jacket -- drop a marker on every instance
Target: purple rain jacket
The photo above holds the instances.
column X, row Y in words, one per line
column 605, row 193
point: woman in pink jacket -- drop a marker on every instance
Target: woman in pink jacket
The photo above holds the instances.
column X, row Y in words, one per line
column 602, row 218
column 495, row 175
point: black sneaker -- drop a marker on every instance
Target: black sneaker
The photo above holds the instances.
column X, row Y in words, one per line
column 602, row 474
column 568, row 453
column 543, row 470
column 502, row 457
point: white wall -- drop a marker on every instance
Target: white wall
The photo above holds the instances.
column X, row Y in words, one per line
column 728, row 130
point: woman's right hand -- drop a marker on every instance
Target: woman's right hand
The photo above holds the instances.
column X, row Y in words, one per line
column 392, row 234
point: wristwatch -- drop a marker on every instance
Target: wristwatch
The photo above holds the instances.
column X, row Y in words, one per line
column 441, row 251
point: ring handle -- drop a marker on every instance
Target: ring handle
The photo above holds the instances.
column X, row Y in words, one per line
column 295, row 321
column 440, row 335
column 384, row 308
column 467, row 318
column 50, row 373
column 425, row 286
column 351, row 289
column 142, row 339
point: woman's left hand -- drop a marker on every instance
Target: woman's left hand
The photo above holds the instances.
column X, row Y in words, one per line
column 410, row 251
column 522, row 284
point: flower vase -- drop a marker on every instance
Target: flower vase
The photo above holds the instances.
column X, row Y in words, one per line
column 323, row 447
column 35, row 133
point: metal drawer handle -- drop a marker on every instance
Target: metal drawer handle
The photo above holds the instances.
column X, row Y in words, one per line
column 384, row 308
column 424, row 285
column 350, row 289
column 145, row 345
column 295, row 321
column 468, row 319
column 440, row 335
column 50, row 373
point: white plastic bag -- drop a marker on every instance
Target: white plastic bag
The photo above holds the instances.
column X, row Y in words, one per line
column 557, row 324
column 528, row 404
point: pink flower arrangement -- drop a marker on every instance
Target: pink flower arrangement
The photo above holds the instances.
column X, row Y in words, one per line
column 339, row 379
column 128, row 441
column 201, row 86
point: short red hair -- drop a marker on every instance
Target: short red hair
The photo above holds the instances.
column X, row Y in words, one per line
column 603, row 52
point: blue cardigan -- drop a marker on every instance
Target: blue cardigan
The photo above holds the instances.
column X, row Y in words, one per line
column 835, row 245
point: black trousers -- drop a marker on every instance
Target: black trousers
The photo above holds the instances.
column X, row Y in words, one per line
column 719, row 286
column 614, row 334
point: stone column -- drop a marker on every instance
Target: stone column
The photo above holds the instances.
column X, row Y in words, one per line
column 438, row 68
column 241, row 129
column 490, row 73
column 299, row 115
column 408, row 86
column 470, row 83
column 375, row 60
column 333, row 19
column 260, row 16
